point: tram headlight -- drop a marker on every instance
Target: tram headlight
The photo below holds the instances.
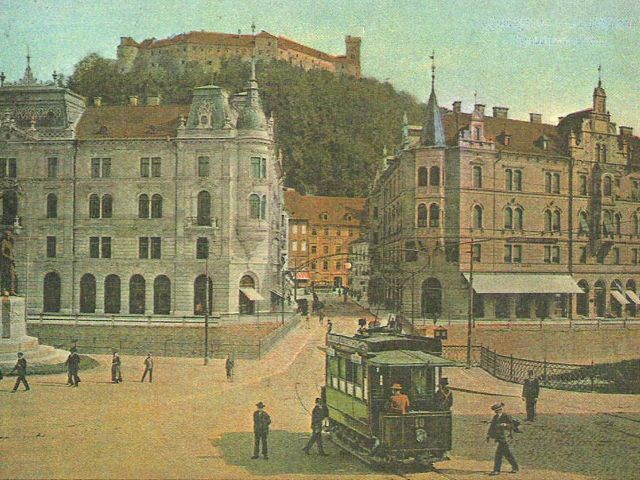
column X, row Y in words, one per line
column 421, row 435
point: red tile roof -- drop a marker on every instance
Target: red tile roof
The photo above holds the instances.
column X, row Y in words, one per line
column 310, row 207
column 125, row 121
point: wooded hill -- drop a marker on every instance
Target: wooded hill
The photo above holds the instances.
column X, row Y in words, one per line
column 331, row 129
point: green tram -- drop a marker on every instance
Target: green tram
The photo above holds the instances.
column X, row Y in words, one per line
column 360, row 373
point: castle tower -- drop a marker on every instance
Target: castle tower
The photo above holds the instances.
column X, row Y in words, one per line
column 126, row 53
column 353, row 45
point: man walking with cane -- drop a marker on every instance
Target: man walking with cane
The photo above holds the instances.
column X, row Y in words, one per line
column 500, row 430
column 317, row 416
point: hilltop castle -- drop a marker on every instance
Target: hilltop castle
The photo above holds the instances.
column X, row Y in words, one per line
column 211, row 48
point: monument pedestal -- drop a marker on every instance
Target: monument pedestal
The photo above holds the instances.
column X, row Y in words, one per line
column 15, row 339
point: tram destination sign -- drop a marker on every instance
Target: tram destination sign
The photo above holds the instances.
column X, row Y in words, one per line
column 545, row 241
column 348, row 342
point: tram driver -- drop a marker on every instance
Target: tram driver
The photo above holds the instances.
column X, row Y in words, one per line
column 399, row 402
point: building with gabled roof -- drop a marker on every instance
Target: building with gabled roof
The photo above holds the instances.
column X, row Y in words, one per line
column 209, row 49
column 546, row 217
column 126, row 210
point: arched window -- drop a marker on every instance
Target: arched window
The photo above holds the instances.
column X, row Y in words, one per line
column 51, row 293
column 583, row 222
column 52, row 206
column 477, row 176
column 246, row 305
column 88, row 293
column 112, row 294
column 156, row 206
column 204, row 208
column 547, row 220
column 606, row 186
column 422, row 215
column 508, row 218
column 434, row 174
column 162, row 295
column 137, row 294
column 434, row 215
column 423, row 176
column 618, row 223
column 200, row 300
column 254, row 206
column 263, row 207
column 143, row 206
column 431, row 299
column 477, row 216
column 107, row 206
column 557, row 217
column 636, row 223
column 582, row 299
column 607, row 222
column 518, row 218
column 94, row 206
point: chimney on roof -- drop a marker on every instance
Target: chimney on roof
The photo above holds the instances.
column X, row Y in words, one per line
column 626, row 131
column 97, row 101
column 133, row 100
column 457, row 106
column 500, row 112
column 153, row 100
column 535, row 117
column 479, row 108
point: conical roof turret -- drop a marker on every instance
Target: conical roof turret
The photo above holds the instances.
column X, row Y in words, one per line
column 252, row 116
column 433, row 130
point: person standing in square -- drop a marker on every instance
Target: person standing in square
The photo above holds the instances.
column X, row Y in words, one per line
column 261, row 422
column 530, row 393
column 73, row 366
column 148, row 368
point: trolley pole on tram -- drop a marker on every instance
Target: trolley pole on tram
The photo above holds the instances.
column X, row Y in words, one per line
column 470, row 312
column 206, row 311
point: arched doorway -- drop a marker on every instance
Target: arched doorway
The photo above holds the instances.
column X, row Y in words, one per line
column 112, row 294
column 632, row 308
column 247, row 306
column 200, row 300
column 51, row 296
column 431, row 300
column 600, row 298
column 619, row 300
column 88, row 293
column 137, row 294
column 582, row 299
column 162, row 295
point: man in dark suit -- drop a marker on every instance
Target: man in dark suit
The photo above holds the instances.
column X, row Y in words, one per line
column 500, row 430
column 73, row 366
column 444, row 396
column 261, row 422
column 317, row 416
column 530, row 392
column 21, row 369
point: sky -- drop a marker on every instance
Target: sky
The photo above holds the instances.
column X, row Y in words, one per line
column 531, row 56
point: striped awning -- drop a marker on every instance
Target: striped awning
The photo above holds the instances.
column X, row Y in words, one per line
column 633, row 296
column 523, row 283
column 621, row 299
column 251, row 294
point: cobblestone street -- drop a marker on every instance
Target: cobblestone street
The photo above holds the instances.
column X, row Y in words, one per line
column 192, row 423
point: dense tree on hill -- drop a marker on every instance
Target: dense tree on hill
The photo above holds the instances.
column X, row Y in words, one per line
column 331, row 129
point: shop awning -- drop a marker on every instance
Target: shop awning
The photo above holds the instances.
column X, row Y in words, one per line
column 410, row 358
column 251, row 294
column 633, row 296
column 622, row 300
column 523, row 283
column 303, row 276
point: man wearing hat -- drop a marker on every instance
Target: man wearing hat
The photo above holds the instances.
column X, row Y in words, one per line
column 21, row 369
column 444, row 396
column 399, row 401
column 500, row 430
column 530, row 392
column 261, row 422
column 73, row 366
column 317, row 417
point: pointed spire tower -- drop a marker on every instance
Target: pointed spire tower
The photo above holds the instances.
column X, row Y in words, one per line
column 28, row 78
column 433, row 130
column 252, row 116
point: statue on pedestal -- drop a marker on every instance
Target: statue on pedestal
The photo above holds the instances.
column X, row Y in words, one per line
column 8, row 278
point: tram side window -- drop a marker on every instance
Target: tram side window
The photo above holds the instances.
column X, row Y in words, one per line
column 419, row 382
column 334, row 371
column 342, row 375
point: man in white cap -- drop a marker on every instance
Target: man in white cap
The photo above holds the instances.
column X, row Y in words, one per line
column 500, row 430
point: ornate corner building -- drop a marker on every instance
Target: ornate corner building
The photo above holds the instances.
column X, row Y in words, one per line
column 543, row 219
column 127, row 209
column 209, row 49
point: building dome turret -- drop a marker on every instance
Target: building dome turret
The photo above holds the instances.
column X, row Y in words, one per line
column 251, row 115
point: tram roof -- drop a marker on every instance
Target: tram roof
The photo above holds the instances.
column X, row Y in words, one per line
column 409, row 358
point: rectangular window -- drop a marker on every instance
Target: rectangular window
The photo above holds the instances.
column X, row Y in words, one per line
column 338, row 248
column 325, row 265
column 583, row 254
column 326, row 232
column 303, row 245
column 325, row 249
column 203, row 166
column 144, row 167
column 513, row 253
column 338, row 232
column 294, row 228
column 477, row 177
column 294, row 246
column 95, row 168
column 106, row 167
column 338, row 265
column 556, row 183
column 143, row 247
column 314, row 266
column 551, row 254
column 106, row 247
column 314, row 249
column 634, row 256
column 615, row 252
column 410, row 252
column 202, row 248
column 303, row 229
column 52, row 167
column 94, row 247
column 156, row 247
column 547, row 182
column 582, row 188
column 264, row 168
column 476, row 252
column 51, row 247
column 156, row 164
column 256, row 169
column 3, row 167
column 517, row 180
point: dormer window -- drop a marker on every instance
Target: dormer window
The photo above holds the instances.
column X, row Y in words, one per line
column 504, row 139
column 324, row 216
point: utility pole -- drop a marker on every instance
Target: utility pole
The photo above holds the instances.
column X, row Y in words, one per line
column 282, row 292
column 413, row 277
column 470, row 313
column 206, row 311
